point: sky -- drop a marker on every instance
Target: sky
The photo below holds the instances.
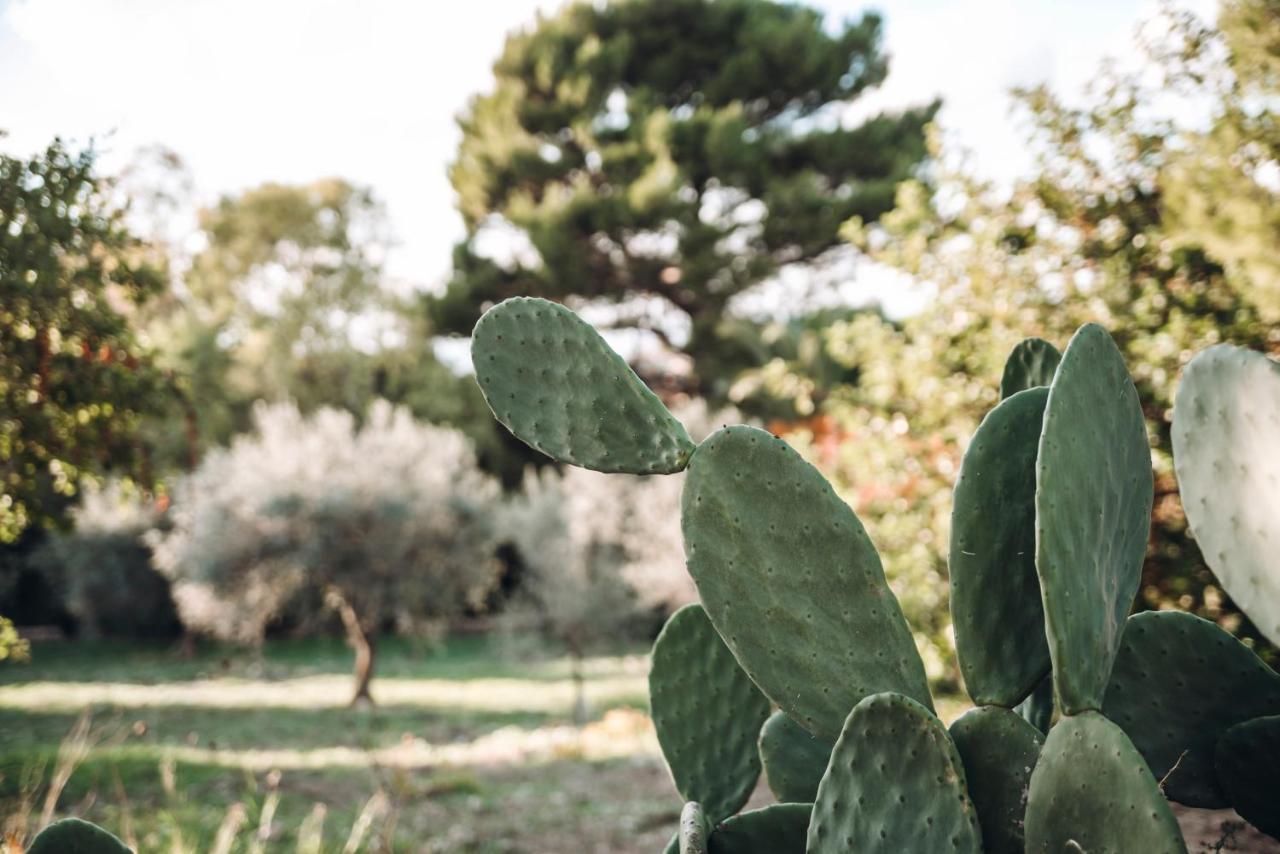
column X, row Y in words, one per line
column 247, row 91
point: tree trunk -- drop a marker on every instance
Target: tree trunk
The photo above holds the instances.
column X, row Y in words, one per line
column 361, row 640
column 580, row 710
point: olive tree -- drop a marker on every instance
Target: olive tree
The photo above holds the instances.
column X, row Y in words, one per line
column 387, row 522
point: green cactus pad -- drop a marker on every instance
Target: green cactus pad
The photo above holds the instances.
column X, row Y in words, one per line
column 999, row 750
column 556, row 384
column 707, row 713
column 694, row 829
column 1037, row 709
column 895, row 784
column 1092, row 788
column 1093, row 513
column 794, row 761
column 792, row 581
column 995, row 593
column 1226, row 451
column 1178, row 684
column 776, row 829
column 73, row 836
column 1031, row 363
column 1248, row 762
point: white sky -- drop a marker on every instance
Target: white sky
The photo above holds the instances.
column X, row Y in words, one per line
column 290, row 90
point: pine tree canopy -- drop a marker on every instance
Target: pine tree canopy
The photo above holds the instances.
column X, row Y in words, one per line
column 666, row 155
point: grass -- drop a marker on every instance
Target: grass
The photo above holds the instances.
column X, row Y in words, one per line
column 468, row 750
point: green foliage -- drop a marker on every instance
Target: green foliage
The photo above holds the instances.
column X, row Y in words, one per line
column 707, row 714
column 999, row 750
column 895, row 783
column 666, row 156
column 995, row 593
column 73, row 836
column 1176, row 718
column 775, row 553
column 103, row 567
column 794, row 761
column 565, row 392
column 1092, row 788
column 12, row 646
column 74, row 379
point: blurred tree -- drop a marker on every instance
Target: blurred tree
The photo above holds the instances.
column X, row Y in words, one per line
column 1096, row 235
column 103, row 566
column 389, row 523
column 666, row 155
column 74, row 378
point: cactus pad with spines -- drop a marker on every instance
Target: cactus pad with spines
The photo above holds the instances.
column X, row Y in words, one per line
column 1031, row 363
column 794, row 761
column 555, row 383
column 776, row 829
column 1248, row 763
column 74, row 836
column 1178, row 684
column 895, row 783
column 1226, row 451
column 792, row 582
column 1093, row 513
column 995, row 593
column 707, row 714
column 1092, row 788
column 999, row 751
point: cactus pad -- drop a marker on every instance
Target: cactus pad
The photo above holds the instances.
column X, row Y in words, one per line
column 995, row 593
column 556, row 384
column 1031, row 363
column 694, row 829
column 1037, row 709
column 1178, row 684
column 999, row 750
column 1226, row 438
column 792, row 582
column 707, row 713
column 895, row 783
column 1093, row 513
column 794, row 761
column 73, row 836
column 1248, row 762
column 1092, row 788
column 776, row 829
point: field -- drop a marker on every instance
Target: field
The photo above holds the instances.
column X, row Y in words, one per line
column 468, row 750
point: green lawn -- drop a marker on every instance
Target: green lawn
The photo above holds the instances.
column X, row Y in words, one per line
column 467, row 750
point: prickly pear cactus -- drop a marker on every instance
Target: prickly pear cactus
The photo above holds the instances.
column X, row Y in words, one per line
column 707, row 714
column 552, row 380
column 1031, row 363
column 1091, row 792
column 792, row 582
column 694, row 829
column 999, row 751
column 794, row 761
column 1093, row 513
column 1248, row 765
column 895, row 783
column 73, row 836
column 1226, row 451
column 776, row 829
column 995, row 593
column 1037, row 709
column 1178, row 684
